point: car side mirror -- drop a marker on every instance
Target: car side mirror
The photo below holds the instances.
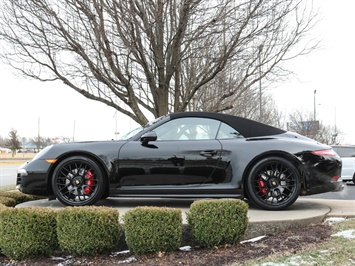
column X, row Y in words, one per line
column 149, row 136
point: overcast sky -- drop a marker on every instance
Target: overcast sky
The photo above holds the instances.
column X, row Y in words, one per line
column 330, row 71
column 56, row 110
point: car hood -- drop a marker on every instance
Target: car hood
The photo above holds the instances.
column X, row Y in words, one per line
column 99, row 148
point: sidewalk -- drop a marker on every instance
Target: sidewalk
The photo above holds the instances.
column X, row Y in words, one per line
column 338, row 208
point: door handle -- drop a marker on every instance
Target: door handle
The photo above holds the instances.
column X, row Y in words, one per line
column 208, row 153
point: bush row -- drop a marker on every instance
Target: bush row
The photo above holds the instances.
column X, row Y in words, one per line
column 38, row 231
column 12, row 198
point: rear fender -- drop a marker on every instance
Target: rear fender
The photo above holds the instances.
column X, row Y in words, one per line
column 290, row 157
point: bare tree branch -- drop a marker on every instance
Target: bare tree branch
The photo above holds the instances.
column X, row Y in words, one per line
column 154, row 57
column 304, row 124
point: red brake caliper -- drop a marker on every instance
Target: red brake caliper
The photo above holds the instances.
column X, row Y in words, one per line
column 89, row 182
column 262, row 186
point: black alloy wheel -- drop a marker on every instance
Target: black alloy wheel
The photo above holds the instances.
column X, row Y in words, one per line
column 78, row 181
column 273, row 184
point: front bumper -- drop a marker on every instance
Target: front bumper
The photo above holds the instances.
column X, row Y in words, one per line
column 32, row 178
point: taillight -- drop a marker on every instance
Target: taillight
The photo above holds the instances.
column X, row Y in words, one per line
column 324, row 153
column 335, row 178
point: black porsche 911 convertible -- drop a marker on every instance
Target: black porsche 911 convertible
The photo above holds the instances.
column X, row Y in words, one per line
column 187, row 155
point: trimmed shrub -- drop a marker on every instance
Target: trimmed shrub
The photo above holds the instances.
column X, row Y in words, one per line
column 152, row 229
column 27, row 232
column 88, row 230
column 217, row 222
column 19, row 197
column 8, row 202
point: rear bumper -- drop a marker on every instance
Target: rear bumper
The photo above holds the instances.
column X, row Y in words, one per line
column 321, row 174
column 333, row 186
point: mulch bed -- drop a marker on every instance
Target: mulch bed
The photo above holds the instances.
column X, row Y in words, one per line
column 289, row 242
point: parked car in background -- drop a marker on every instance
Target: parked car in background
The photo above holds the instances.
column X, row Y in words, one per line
column 347, row 155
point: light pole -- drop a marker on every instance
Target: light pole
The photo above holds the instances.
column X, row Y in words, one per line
column 335, row 120
column 335, row 125
column 314, row 104
column 74, row 131
column 116, row 133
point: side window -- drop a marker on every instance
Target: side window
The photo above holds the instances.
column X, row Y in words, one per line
column 346, row 151
column 189, row 128
column 227, row 132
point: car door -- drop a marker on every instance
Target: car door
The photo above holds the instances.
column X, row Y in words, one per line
column 347, row 155
column 185, row 152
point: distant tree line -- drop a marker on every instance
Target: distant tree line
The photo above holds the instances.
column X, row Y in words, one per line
column 15, row 143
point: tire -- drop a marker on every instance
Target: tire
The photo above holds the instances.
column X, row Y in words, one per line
column 273, row 184
column 354, row 178
column 78, row 181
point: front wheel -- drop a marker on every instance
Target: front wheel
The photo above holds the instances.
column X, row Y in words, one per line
column 273, row 184
column 78, row 181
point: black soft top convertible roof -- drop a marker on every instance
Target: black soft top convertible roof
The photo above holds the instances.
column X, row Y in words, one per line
column 248, row 128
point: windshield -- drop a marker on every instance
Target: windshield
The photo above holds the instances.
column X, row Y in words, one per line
column 135, row 131
column 131, row 133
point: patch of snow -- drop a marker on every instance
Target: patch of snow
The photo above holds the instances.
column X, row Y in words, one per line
column 57, row 258
column 71, row 261
column 253, row 239
column 292, row 261
column 119, row 253
column 128, row 260
column 185, row 248
column 61, row 258
column 350, row 234
column 324, row 251
column 272, row 264
column 333, row 220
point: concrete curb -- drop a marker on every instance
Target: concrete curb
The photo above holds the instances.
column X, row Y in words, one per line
column 301, row 214
column 338, row 207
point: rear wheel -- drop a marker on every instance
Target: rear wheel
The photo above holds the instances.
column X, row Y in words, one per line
column 78, row 181
column 273, row 184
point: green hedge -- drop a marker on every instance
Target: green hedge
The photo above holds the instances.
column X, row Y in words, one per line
column 8, row 202
column 217, row 222
column 88, row 230
column 27, row 232
column 152, row 229
column 19, row 197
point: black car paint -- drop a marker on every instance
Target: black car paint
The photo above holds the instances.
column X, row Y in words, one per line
column 314, row 168
column 104, row 152
column 224, row 168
